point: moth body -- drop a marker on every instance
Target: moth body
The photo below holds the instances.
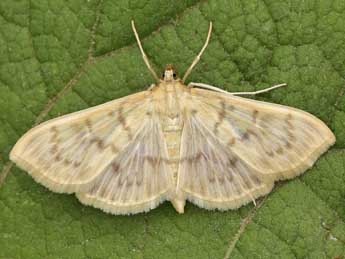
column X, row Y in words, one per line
column 169, row 100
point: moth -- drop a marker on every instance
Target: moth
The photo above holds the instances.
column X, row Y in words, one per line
column 173, row 142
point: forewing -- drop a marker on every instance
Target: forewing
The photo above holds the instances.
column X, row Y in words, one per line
column 138, row 179
column 278, row 141
column 67, row 153
column 241, row 139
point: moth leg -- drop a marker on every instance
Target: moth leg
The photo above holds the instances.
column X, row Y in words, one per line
column 213, row 88
column 146, row 60
column 151, row 87
column 197, row 58
column 260, row 91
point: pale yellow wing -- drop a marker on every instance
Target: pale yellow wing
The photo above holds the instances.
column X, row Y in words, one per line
column 138, row 179
column 211, row 175
column 68, row 153
column 233, row 148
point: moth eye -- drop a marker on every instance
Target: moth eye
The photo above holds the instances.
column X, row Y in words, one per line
column 163, row 75
column 174, row 75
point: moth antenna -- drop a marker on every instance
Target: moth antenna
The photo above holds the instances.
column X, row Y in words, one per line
column 197, row 58
column 146, row 60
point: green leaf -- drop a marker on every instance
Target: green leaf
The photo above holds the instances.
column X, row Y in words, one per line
column 61, row 56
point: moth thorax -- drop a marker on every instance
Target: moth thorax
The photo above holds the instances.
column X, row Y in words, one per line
column 169, row 73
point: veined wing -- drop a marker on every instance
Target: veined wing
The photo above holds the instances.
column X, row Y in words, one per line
column 233, row 148
column 67, row 154
column 212, row 176
column 138, row 179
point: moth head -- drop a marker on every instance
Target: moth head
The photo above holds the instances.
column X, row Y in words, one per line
column 169, row 73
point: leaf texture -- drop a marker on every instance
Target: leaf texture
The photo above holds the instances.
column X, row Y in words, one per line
column 57, row 57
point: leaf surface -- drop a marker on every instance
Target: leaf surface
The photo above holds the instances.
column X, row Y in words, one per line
column 59, row 56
